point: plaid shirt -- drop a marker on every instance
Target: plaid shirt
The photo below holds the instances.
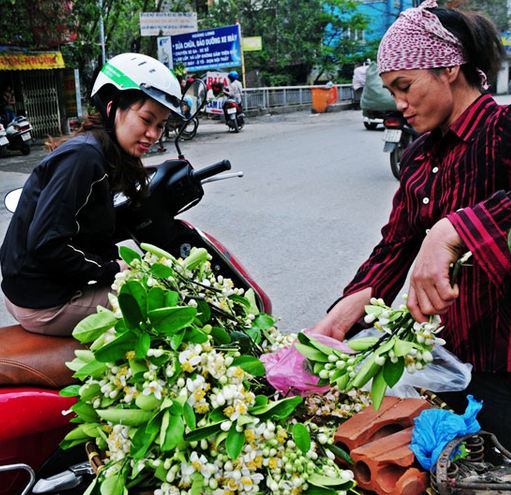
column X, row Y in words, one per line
column 464, row 175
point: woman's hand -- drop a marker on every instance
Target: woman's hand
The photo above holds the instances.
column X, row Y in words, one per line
column 343, row 315
column 430, row 285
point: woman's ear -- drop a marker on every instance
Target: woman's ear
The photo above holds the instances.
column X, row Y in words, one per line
column 452, row 73
column 108, row 107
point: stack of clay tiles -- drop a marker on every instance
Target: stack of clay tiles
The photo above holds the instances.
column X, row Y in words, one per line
column 378, row 442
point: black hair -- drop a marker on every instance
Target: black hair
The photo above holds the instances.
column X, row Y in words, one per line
column 480, row 41
column 126, row 172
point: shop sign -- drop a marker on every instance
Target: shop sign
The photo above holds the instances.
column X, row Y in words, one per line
column 171, row 23
column 31, row 61
column 208, row 49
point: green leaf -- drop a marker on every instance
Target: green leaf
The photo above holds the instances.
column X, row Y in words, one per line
column 133, row 303
column 128, row 254
column 168, row 321
column 196, row 258
column 171, row 298
column 189, row 416
column 155, row 298
column 325, row 481
column 234, row 442
column 142, row 441
column 117, row 348
column 160, row 253
column 177, row 339
column 378, row 390
column 147, row 402
column 161, row 271
column 280, row 409
column 250, row 364
column 92, row 326
column 318, row 490
column 321, row 347
column 220, row 336
column 509, row 240
column 174, row 434
column 311, row 353
column 263, row 321
column 204, row 432
column 142, row 346
column 89, row 391
column 94, row 369
column 339, row 453
column 301, row 437
column 368, row 369
column 392, row 372
column 203, row 311
column 70, row 391
column 195, row 336
column 114, row 484
column 402, row 347
column 128, row 417
column 362, row 343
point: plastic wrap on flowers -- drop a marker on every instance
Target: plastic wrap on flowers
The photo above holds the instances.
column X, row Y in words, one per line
column 287, row 372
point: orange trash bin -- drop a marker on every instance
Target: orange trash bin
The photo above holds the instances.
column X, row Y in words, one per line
column 322, row 97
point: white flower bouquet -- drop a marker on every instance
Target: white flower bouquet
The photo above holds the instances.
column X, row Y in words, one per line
column 174, row 395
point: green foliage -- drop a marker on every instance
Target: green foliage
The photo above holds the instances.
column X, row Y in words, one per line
column 293, row 34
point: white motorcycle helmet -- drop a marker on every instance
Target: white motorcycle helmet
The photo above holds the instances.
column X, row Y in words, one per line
column 130, row 71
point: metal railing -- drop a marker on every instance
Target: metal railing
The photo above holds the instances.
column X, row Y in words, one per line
column 289, row 96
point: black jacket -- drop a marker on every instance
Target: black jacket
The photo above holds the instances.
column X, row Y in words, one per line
column 61, row 237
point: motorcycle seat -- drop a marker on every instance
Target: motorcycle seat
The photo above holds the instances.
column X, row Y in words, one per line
column 29, row 359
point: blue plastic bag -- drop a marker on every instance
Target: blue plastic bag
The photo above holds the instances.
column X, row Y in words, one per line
column 435, row 428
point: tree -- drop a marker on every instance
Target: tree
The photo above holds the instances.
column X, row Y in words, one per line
column 294, row 34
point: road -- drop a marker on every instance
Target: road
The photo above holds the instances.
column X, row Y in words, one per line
column 316, row 190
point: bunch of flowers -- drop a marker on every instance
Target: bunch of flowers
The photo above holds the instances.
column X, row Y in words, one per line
column 174, row 395
column 402, row 344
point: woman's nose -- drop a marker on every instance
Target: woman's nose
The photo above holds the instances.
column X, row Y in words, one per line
column 401, row 104
column 153, row 132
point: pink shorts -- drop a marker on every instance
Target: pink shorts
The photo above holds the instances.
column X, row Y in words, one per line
column 60, row 320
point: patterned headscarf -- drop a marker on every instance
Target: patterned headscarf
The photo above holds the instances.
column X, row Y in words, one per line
column 417, row 40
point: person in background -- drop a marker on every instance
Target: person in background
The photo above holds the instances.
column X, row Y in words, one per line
column 234, row 89
column 358, row 83
column 7, row 106
column 59, row 256
column 454, row 197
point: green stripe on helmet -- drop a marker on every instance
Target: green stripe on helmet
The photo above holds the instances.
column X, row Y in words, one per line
column 118, row 77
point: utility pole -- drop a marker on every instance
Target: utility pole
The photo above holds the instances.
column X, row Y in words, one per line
column 101, row 32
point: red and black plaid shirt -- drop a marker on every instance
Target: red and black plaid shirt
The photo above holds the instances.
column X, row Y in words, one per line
column 464, row 175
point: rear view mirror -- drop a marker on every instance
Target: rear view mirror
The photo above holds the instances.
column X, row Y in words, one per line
column 193, row 99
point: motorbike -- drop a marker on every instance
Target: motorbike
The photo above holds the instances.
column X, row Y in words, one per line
column 234, row 117
column 4, row 142
column 18, row 134
column 35, row 417
column 398, row 135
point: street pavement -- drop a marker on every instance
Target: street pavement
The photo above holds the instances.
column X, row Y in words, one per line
column 316, row 191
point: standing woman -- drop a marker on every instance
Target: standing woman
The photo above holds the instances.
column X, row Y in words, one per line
column 59, row 257
column 454, row 196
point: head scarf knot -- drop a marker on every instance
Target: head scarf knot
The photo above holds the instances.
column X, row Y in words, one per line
column 418, row 40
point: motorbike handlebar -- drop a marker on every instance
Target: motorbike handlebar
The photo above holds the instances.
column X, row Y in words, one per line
column 211, row 170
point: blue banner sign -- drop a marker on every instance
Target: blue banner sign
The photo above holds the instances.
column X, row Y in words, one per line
column 208, row 49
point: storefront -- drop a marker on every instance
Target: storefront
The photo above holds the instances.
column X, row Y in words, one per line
column 40, row 83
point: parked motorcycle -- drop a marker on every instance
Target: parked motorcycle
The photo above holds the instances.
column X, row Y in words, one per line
column 398, row 135
column 234, row 117
column 32, row 366
column 18, row 134
column 4, row 142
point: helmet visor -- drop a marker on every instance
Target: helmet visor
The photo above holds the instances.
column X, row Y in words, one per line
column 166, row 99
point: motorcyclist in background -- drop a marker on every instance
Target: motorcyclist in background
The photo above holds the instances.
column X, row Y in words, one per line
column 235, row 88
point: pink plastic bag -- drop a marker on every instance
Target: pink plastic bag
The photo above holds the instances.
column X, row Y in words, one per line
column 285, row 368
